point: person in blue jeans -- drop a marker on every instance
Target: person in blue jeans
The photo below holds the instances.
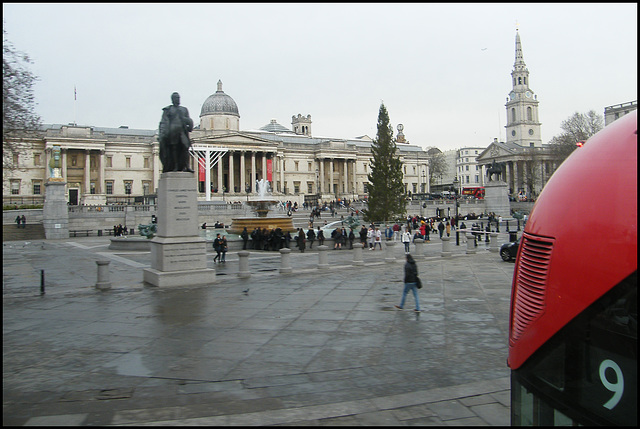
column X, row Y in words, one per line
column 410, row 283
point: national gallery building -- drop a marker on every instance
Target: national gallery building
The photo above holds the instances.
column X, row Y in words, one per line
column 122, row 165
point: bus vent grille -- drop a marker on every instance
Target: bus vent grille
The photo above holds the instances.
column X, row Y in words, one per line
column 531, row 280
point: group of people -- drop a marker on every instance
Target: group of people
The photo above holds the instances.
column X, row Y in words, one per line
column 119, row 230
column 372, row 236
column 265, row 239
column 221, row 247
column 21, row 220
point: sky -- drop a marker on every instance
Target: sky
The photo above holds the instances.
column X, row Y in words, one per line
column 441, row 70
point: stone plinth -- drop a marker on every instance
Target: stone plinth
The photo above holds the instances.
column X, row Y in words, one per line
column 55, row 213
column 178, row 253
column 496, row 198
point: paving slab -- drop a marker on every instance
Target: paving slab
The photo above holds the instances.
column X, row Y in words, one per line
column 314, row 347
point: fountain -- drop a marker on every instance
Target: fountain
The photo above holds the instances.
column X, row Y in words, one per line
column 261, row 206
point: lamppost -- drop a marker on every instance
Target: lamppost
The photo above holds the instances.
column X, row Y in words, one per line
column 455, row 190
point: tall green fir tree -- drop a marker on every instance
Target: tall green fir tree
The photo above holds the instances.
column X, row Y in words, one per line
column 386, row 194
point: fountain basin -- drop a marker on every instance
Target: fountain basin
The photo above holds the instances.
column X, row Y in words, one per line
column 283, row 222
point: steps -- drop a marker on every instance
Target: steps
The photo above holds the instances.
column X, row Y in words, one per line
column 32, row 231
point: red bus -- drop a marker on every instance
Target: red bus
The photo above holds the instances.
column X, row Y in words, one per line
column 573, row 317
column 477, row 192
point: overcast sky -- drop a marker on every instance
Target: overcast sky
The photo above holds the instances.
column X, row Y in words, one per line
column 442, row 70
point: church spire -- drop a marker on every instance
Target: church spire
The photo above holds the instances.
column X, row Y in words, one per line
column 520, row 72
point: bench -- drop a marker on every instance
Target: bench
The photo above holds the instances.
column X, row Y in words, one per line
column 75, row 232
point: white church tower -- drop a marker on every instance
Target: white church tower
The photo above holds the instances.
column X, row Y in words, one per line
column 523, row 125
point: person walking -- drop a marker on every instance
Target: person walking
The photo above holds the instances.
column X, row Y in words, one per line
column 320, row 236
column 223, row 248
column 363, row 236
column 217, row 243
column 448, row 229
column 24, row 221
column 352, row 237
column 410, row 283
column 245, row 237
column 311, row 236
column 440, row 228
column 378, row 238
column 18, row 220
column 301, row 240
column 406, row 239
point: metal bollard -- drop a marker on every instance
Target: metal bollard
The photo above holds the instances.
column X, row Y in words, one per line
column 323, row 263
column 41, row 282
column 388, row 254
column 285, row 265
column 357, row 254
column 103, row 282
column 419, row 242
column 471, row 247
column 446, row 248
column 244, row 272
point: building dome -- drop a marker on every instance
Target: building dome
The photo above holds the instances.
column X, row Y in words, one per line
column 219, row 103
column 274, row 127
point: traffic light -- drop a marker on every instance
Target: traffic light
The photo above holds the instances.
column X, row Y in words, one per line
column 580, row 143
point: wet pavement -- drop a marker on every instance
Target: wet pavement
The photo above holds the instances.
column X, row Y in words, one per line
column 314, row 347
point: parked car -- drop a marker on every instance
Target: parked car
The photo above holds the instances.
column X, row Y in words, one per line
column 508, row 251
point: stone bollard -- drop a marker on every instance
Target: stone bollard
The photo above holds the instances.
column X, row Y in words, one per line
column 446, row 247
column 285, row 266
column 323, row 263
column 419, row 242
column 103, row 275
column 244, row 272
column 389, row 249
column 471, row 246
column 493, row 245
column 357, row 254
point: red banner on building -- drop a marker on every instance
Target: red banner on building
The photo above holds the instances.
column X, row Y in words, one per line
column 201, row 167
column 269, row 169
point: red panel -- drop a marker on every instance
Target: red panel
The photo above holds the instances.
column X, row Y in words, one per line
column 588, row 210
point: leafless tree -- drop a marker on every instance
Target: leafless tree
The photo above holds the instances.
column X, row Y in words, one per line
column 18, row 102
column 578, row 127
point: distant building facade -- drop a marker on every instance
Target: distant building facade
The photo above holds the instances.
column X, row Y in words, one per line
column 111, row 165
column 528, row 163
column 611, row 113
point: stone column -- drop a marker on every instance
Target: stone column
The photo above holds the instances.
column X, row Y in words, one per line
column 243, row 272
column 471, row 247
column 87, row 174
column 331, row 176
column 281, row 168
column 446, row 247
column 243, row 178
column 355, row 183
column 285, row 266
column 103, row 282
column 63, row 159
column 264, row 166
column 220, row 175
column 388, row 255
column 419, row 242
column 322, row 257
column 47, row 160
column 321, row 162
column 345, row 176
column 100, row 184
column 357, row 254
column 156, row 169
column 231, row 175
column 253, row 172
